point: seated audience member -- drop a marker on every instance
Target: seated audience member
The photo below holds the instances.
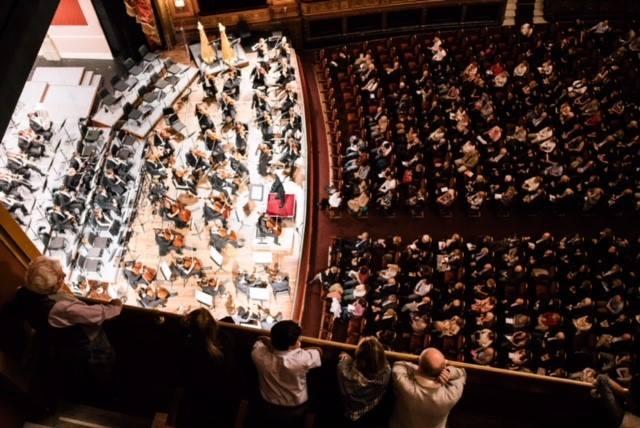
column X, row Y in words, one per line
column 363, row 383
column 210, row 397
column 426, row 393
column 79, row 349
column 282, row 375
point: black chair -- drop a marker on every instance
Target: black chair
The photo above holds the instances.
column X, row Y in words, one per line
column 131, row 113
column 146, row 55
column 158, row 82
column 121, row 85
column 171, row 119
column 132, row 68
column 172, row 67
column 107, row 99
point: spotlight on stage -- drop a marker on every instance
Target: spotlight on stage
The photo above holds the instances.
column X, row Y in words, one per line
column 179, row 4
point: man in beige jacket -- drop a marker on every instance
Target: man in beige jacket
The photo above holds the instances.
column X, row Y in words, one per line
column 426, row 393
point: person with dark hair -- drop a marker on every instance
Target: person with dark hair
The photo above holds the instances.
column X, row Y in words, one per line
column 282, row 374
column 426, row 393
column 209, row 398
column 363, row 383
column 611, row 395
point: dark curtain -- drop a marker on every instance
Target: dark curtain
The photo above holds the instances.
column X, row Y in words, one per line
column 123, row 33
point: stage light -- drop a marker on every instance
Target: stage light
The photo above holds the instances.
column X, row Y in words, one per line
column 179, row 3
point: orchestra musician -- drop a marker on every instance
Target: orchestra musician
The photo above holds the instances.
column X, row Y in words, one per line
column 100, row 219
column 231, row 85
column 152, row 297
column 197, row 159
column 169, row 240
column 204, row 120
column 187, row 266
column 12, row 205
column 162, row 140
column 217, row 207
column 269, row 226
column 183, row 178
column 152, row 164
column 138, row 273
column 212, row 286
column 40, row 122
column 113, row 183
column 220, row 237
column 19, row 164
column 261, row 48
column 60, row 219
column 176, row 212
column 106, row 201
column 120, row 167
column 241, row 138
column 209, row 85
column 157, row 190
column 68, row 200
column 264, row 161
column 228, row 107
column 31, row 143
column 9, row 182
column 259, row 76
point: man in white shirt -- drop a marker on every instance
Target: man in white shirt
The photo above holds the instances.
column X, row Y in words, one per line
column 282, row 374
column 425, row 394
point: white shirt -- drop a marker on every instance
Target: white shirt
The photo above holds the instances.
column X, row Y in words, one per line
column 421, row 402
column 282, row 375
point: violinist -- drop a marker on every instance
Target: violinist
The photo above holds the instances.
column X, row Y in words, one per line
column 213, row 143
column 259, row 76
column 266, row 127
column 217, row 207
column 241, row 138
column 269, row 226
column 204, row 120
column 260, row 104
column 169, row 240
column 260, row 48
column 228, row 106
column 184, row 179
column 197, row 159
column 176, row 212
column 264, row 160
column 187, row 266
column 152, row 163
column 209, row 85
column 231, row 85
column 162, row 140
column 138, row 273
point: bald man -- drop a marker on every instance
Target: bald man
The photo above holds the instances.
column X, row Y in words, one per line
column 426, row 393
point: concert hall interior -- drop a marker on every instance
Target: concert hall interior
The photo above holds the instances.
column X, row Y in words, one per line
column 452, row 176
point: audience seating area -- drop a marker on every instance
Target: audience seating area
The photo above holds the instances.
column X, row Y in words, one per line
column 564, row 306
column 508, row 119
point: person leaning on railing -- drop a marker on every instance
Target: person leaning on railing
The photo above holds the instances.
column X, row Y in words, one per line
column 426, row 393
column 72, row 329
column 363, row 382
column 282, row 367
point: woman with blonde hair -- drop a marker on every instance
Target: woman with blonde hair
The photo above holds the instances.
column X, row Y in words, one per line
column 363, row 382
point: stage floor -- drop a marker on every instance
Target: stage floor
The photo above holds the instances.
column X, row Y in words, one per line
column 255, row 254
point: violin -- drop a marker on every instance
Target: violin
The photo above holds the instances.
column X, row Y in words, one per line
column 232, row 235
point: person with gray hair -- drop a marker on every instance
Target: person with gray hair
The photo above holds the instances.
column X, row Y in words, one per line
column 71, row 329
column 425, row 393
